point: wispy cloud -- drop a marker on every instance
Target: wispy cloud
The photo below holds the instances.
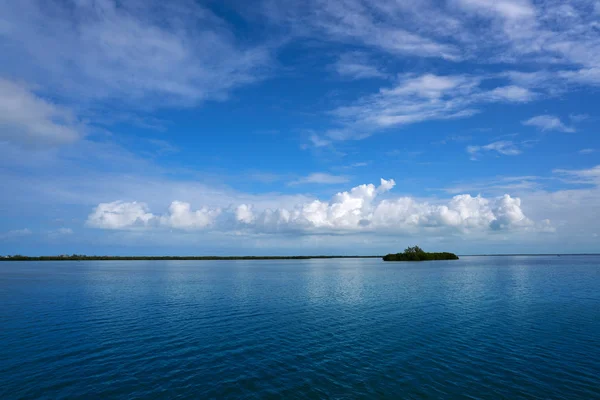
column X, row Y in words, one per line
column 503, row 147
column 587, row 151
column 28, row 119
column 321, row 178
column 317, row 141
column 576, row 118
column 510, row 10
column 548, row 123
column 15, row 233
column 163, row 147
column 511, row 93
column 586, row 176
column 357, row 66
column 417, row 98
column 380, row 25
column 60, row 232
column 498, row 185
column 143, row 53
column 453, row 138
column 559, row 42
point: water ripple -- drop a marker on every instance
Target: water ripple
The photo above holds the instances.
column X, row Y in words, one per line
column 478, row 328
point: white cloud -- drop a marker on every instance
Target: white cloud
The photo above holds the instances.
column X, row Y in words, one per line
column 120, row 215
column 15, row 233
column 559, row 42
column 145, row 53
column 357, row 66
column 60, row 232
column 375, row 24
column 585, row 76
column 548, row 123
column 497, row 185
column 317, row 141
column 545, row 32
column 576, row 118
column 417, row 98
column 589, row 176
column 320, row 178
column 181, row 216
column 413, row 99
column 347, row 212
column 30, row 120
column 244, row 214
column 433, row 86
column 504, row 147
column 511, row 93
column 508, row 9
column 587, row 151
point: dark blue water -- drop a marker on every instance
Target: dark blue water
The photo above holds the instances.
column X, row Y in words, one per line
column 495, row 327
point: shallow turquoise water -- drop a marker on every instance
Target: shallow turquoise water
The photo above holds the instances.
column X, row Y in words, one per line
column 480, row 327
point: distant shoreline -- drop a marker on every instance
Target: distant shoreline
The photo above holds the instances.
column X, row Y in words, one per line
column 170, row 258
column 233, row 258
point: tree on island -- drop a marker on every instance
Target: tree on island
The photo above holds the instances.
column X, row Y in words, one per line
column 416, row 253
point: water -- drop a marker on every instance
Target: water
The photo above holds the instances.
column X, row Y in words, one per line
column 481, row 327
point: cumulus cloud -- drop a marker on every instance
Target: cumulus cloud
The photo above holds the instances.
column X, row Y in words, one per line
column 120, row 215
column 353, row 211
column 181, row 216
column 30, row 120
column 548, row 123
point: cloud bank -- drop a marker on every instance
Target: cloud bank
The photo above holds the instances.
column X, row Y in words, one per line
column 353, row 211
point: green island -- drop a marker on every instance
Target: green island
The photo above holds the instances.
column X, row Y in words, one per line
column 417, row 254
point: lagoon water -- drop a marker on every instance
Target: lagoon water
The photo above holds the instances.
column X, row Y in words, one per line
column 480, row 327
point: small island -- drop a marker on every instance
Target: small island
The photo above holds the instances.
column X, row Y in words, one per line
column 417, row 254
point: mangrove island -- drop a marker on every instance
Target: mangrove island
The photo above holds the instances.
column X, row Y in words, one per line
column 417, row 254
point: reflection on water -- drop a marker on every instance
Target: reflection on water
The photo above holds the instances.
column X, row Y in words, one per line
column 341, row 283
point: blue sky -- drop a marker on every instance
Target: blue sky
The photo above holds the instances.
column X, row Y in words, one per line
column 284, row 127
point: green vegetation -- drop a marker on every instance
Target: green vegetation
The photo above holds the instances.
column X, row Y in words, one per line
column 417, row 254
column 81, row 257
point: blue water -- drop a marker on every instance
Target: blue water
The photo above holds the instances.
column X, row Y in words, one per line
column 480, row 327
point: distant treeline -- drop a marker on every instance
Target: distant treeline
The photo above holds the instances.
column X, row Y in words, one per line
column 417, row 254
column 81, row 257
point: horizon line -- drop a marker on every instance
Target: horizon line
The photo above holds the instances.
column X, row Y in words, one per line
column 66, row 257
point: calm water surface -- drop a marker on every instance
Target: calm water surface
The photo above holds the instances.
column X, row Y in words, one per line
column 480, row 327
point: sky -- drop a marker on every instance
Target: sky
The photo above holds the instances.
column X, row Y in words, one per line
column 280, row 127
